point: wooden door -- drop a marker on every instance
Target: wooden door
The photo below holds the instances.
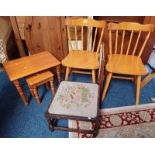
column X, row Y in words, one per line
column 46, row 33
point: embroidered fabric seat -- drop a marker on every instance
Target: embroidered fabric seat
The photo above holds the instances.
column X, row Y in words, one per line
column 75, row 99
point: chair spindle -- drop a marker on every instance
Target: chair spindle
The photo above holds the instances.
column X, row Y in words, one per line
column 88, row 38
column 110, row 42
column 116, row 42
column 146, row 39
column 122, row 42
column 76, row 38
column 131, row 35
column 94, row 39
column 133, row 53
column 69, row 37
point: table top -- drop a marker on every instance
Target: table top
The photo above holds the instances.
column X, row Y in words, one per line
column 28, row 65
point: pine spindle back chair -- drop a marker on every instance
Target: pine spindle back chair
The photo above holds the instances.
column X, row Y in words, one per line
column 83, row 55
column 126, row 45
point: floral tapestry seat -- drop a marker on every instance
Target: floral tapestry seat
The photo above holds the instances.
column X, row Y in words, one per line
column 75, row 99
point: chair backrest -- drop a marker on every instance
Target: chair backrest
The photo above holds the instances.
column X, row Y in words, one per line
column 77, row 29
column 128, row 38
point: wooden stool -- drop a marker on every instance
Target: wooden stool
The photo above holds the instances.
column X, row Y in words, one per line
column 79, row 102
column 75, row 101
column 38, row 79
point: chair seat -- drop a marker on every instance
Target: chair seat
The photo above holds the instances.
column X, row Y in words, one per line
column 39, row 77
column 81, row 60
column 125, row 64
column 75, row 99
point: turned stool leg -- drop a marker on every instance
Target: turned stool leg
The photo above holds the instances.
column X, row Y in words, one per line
column 36, row 94
column 58, row 73
column 52, row 86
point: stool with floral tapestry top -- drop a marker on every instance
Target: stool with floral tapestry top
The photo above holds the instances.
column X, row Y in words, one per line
column 75, row 101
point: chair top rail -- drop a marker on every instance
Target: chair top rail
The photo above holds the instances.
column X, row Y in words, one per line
column 131, row 26
column 85, row 22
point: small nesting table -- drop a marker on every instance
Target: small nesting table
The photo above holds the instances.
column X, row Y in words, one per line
column 25, row 66
column 38, row 79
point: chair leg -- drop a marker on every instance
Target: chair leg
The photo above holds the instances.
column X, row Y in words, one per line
column 52, row 86
column 36, row 94
column 108, row 79
column 135, row 80
column 67, row 73
column 138, row 89
column 93, row 76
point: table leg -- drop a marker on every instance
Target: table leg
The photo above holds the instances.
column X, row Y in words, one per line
column 35, row 92
column 58, row 73
column 20, row 91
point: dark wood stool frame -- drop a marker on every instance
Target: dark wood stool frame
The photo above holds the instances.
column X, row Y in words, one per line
column 52, row 118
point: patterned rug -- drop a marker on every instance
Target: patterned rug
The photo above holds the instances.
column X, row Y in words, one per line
column 123, row 122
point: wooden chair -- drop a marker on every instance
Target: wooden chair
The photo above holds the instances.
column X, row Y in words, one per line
column 83, row 55
column 125, row 59
column 76, row 101
column 38, row 79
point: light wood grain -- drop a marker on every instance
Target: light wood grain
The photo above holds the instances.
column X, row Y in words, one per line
column 108, row 79
column 138, row 89
column 67, row 73
column 140, row 19
column 35, row 92
column 85, row 22
column 38, row 79
column 81, row 60
column 129, row 45
column 122, row 63
column 28, row 65
column 128, row 26
column 85, row 57
column 46, row 33
column 58, row 73
column 17, row 35
column 129, row 65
